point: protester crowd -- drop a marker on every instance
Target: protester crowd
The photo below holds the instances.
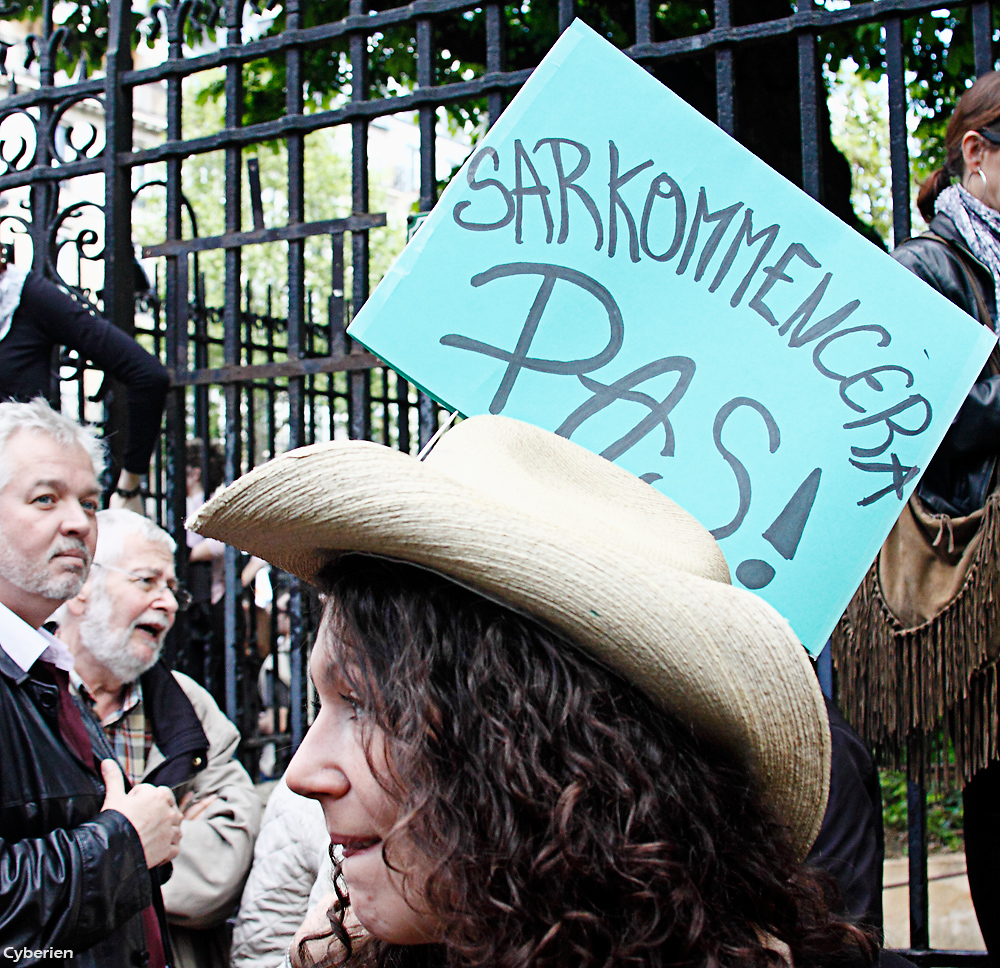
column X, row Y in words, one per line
column 548, row 730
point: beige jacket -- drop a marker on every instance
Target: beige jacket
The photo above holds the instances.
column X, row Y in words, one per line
column 216, row 848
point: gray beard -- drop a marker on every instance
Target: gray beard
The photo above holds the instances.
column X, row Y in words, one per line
column 37, row 580
column 111, row 646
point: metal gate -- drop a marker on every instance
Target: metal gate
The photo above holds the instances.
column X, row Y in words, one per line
column 260, row 369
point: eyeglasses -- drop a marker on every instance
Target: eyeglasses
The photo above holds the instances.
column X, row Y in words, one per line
column 992, row 136
column 154, row 584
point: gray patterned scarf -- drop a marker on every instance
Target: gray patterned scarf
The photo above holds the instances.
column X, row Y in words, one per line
column 978, row 224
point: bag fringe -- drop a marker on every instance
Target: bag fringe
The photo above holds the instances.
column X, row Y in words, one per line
column 897, row 684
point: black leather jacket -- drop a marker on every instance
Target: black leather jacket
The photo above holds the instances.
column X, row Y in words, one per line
column 71, row 875
column 959, row 478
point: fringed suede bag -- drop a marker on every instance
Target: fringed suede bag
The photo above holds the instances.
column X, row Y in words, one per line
column 917, row 648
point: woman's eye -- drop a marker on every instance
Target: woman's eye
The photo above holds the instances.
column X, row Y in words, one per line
column 353, row 703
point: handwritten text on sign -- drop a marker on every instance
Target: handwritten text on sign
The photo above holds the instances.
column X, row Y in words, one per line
column 671, row 303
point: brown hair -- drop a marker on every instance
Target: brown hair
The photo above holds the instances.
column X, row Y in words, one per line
column 568, row 821
column 977, row 108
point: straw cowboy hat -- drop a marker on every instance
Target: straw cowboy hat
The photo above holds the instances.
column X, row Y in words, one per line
column 553, row 530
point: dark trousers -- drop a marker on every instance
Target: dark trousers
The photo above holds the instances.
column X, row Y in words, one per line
column 981, row 800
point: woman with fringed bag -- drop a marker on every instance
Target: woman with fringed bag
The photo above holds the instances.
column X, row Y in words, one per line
column 916, row 652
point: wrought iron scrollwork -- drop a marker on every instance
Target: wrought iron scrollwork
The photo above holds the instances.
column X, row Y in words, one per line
column 18, row 140
column 31, row 50
column 66, row 150
column 14, row 225
column 85, row 241
column 174, row 17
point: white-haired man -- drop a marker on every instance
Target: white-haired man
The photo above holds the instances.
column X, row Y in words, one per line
column 165, row 728
column 76, row 850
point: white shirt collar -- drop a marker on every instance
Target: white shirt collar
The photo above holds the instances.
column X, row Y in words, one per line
column 26, row 645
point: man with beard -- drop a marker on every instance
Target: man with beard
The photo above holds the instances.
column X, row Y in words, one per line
column 76, row 850
column 165, row 728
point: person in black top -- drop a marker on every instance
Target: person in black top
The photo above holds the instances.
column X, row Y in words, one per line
column 36, row 316
column 949, row 686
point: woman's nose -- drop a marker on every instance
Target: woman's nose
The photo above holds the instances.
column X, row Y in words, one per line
column 314, row 770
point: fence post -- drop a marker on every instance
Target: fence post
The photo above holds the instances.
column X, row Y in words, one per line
column 119, row 258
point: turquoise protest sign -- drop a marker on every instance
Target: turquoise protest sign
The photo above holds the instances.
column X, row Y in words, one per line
column 611, row 266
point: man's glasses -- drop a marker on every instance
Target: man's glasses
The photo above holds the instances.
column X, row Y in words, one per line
column 154, row 584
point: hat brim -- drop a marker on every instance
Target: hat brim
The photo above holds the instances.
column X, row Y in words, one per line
column 718, row 657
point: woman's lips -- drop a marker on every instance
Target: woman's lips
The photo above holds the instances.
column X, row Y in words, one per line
column 354, row 845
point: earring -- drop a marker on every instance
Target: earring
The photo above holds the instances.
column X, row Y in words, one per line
column 982, row 174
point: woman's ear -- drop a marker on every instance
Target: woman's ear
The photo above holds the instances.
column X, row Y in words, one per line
column 973, row 150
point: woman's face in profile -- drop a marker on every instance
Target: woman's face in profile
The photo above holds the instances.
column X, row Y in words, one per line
column 331, row 766
column 981, row 155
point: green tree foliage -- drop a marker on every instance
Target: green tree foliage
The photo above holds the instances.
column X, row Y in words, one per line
column 940, row 65
column 944, row 813
column 327, row 196
column 859, row 113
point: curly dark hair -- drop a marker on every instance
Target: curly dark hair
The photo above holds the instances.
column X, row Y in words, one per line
column 567, row 820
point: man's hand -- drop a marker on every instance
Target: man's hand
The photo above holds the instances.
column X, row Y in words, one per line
column 192, row 809
column 152, row 810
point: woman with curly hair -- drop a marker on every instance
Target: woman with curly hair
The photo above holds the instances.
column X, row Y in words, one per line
column 550, row 733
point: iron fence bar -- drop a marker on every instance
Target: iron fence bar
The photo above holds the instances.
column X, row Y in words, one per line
column 296, row 284
column 426, row 413
column 250, row 397
column 174, row 434
column 49, row 93
column 359, row 420
column 812, row 179
column 352, row 112
column 119, row 278
column 643, row 22
column 270, row 371
column 337, row 321
column 982, row 36
column 231, row 340
column 916, row 819
column 40, row 198
column 295, row 148
column 899, row 161
column 494, row 60
column 916, row 799
column 284, row 233
column 338, row 338
column 567, row 11
column 725, row 94
column 176, row 356
column 177, row 311
column 428, row 117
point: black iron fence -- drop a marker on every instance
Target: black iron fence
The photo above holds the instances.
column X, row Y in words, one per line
column 264, row 364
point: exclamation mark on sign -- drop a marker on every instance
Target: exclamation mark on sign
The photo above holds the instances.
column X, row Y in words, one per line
column 784, row 534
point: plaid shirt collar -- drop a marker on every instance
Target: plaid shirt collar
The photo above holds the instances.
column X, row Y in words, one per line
column 127, row 729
